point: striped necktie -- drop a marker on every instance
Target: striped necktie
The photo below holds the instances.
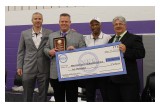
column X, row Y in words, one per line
column 117, row 38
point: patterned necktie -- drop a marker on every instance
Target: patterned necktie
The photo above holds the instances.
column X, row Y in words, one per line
column 117, row 38
column 64, row 34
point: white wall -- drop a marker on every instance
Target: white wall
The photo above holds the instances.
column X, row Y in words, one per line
column 82, row 14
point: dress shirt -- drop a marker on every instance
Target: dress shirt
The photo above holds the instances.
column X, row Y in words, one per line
column 62, row 33
column 120, row 36
column 37, row 38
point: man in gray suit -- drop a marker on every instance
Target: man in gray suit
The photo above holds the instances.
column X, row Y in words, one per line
column 32, row 63
column 73, row 40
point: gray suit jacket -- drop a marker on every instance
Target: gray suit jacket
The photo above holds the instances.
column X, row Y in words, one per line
column 73, row 39
column 29, row 58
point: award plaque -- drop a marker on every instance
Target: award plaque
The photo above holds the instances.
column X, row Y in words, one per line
column 60, row 43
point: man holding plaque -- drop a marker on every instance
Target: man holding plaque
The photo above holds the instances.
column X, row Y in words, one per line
column 64, row 39
column 32, row 63
column 125, row 88
column 97, row 37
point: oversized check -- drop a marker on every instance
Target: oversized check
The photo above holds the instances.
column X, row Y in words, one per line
column 90, row 62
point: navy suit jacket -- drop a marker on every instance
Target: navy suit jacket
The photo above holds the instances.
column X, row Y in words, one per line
column 134, row 50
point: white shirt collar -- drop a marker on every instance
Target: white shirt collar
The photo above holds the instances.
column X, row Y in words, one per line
column 35, row 32
column 99, row 37
column 122, row 33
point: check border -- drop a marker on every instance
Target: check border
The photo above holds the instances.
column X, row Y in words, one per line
column 90, row 76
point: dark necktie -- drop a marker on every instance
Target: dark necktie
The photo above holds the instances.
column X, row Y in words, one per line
column 36, row 34
column 64, row 34
column 117, row 38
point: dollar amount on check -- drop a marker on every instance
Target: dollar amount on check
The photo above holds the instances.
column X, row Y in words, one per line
column 90, row 62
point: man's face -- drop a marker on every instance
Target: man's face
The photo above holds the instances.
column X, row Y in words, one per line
column 37, row 20
column 119, row 27
column 64, row 23
column 95, row 27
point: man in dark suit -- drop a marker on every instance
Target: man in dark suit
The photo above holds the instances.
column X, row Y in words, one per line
column 32, row 63
column 125, row 88
column 73, row 40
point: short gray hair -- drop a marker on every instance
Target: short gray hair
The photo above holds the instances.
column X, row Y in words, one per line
column 121, row 18
column 36, row 14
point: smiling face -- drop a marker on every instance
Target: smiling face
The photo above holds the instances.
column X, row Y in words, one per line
column 95, row 27
column 37, row 20
column 119, row 26
column 64, row 23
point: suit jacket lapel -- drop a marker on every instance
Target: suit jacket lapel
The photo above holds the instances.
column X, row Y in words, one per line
column 124, row 37
column 111, row 40
column 43, row 38
column 69, row 35
column 122, row 40
column 30, row 35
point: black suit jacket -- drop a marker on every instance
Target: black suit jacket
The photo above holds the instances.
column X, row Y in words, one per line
column 134, row 50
